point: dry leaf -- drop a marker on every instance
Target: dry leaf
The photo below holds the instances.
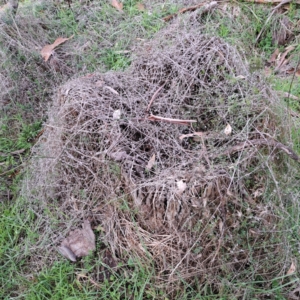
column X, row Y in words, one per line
column 282, row 61
column 67, row 252
column 292, row 269
column 228, row 129
column 117, row 114
column 150, row 163
column 48, row 50
column 292, row 70
column 116, row 4
column 140, row 6
column 274, row 56
column 79, row 242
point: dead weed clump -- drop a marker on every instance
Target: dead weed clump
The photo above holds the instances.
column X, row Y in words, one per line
column 204, row 208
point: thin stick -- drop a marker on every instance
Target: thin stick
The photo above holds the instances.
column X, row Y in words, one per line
column 263, row 142
column 182, row 11
column 169, row 120
column 153, row 97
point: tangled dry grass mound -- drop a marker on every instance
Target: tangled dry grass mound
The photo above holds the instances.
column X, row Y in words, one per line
column 182, row 194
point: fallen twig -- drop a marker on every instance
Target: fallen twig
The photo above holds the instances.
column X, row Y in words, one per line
column 263, row 142
column 206, row 6
column 169, row 120
column 153, row 97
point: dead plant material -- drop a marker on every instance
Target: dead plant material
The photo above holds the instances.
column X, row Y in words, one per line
column 186, row 214
column 288, row 95
column 9, row 9
column 118, row 5
column 206, row 7
column 79, row 243
column 283, row 31
column 273, row 1
column 153, row 98
column 283, row 61
column 279, row 5
column 263, row 142
column 169, row 120
column 48, row 50
column 292, row 71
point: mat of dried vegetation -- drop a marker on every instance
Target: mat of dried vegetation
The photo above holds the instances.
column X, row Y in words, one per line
column 143, row 155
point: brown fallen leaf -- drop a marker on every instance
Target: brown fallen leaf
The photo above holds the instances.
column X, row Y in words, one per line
column 283, row 61
column 116, row 4
column 292, row 70
column 150, row 163
column 274, row 56
column 80, row 242
column 292, row 269
column 48, row 50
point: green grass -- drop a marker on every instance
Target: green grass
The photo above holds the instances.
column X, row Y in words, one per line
column 63, row 279
column 98, row 44
column 104, row 41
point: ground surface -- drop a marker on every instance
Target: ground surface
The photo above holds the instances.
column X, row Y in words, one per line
column 179, row 211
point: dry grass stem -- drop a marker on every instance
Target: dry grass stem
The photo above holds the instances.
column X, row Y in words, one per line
column 95, row 166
